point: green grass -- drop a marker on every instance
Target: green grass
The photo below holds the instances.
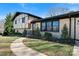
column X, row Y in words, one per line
column 49, row 48
column 5, row 45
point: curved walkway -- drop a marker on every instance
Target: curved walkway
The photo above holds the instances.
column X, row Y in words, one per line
column 19, row 49
column 76, row 49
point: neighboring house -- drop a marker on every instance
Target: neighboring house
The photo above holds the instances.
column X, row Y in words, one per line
column 1, row 26
column 22, row 21
column 55, row 24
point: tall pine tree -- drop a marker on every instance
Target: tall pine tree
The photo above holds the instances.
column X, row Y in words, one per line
column 8, row 26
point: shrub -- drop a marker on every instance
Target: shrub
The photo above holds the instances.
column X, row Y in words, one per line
column 13, row 34
column 36, row 33
column 65, row 38
column 4, row 33
column 65, row 34
column 17, row 34
column 24, row 32
column 0, row 33
column 67, row 41
column 48, row 36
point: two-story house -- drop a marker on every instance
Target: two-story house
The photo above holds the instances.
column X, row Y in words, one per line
column 22, row 21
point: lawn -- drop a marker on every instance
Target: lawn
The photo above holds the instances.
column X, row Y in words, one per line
column 5, row 45
column 49, row 48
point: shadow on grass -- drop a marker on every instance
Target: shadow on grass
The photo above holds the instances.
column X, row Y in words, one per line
column 61, row 41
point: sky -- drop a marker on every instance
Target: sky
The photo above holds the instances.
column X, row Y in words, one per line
column 39, row 9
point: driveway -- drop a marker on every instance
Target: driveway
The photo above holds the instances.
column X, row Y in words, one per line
column 19, row 49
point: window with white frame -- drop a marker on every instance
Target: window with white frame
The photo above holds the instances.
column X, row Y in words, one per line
column 43, row 26
column 49, row 26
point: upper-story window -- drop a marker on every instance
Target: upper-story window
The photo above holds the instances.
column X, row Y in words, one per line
column 49, row 26
column 55, row 26
column 15, row 21
column 43, row 26
column 23, row 20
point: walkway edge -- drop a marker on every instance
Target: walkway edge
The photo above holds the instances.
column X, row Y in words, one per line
column 19, row 49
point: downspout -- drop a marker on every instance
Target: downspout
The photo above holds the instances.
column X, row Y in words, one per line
column 69, row 26
column 41, row 25
column 74, row 28
column 25, row 28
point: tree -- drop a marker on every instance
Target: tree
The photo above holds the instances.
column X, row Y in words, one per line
column 8, row 26
column 65, row 34
column 57, row 11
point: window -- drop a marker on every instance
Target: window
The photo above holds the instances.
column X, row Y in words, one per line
column 43, row 26
column 49, row 27
column 56, row 26
column 15, row 21
column 23, row 20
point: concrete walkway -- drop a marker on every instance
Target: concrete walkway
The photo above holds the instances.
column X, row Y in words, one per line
column 76, row 49
column 19, row 49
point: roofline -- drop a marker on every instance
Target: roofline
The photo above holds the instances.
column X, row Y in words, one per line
column 66, row 15
column 18, row 13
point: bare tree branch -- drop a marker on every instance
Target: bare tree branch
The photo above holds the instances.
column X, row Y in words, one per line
column 57, row 11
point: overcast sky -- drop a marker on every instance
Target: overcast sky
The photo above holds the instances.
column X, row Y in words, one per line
column 39, row 9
